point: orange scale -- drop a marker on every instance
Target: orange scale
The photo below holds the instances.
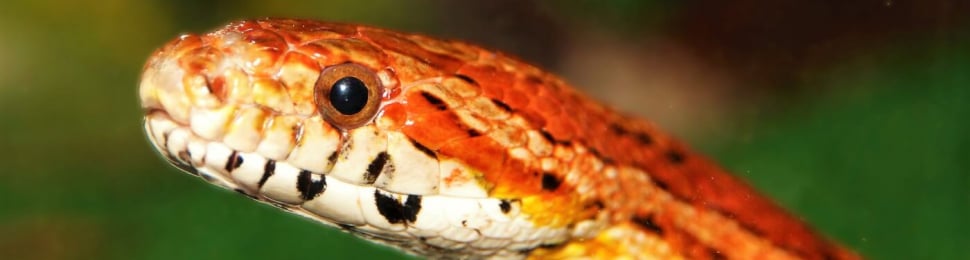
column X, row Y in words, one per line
column 397, row 43
column 416, row 103
column 492, row 82
column 300, row 32
column 392, row 90
column 409, row 68
column 336, row 51
column 259, row 61
column 244, row 26
column 444, row 48
column 339, row 28
column 434, row 130
column 540, row 90
column 200, row 59
column 317, row 52
column 517, row 98
column 627, row 145
column 266, row 38
column 218, row 87
column 393, row 116
column 481, row 153
column 299, row 73
column 299, row 59
column 536, row 120
column 184, row 44
column 549, row 106
column 507, row 177
column 560, row 129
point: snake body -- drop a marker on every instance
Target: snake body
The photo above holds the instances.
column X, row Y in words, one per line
column 459, row 152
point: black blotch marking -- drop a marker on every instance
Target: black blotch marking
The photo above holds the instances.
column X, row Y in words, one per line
column 467, row 79
column 435, row 101
column 191, row 170
column 308, row 187
column 608, row 160
column 827, row 255
column 660, row 184
column 599, row 204
column 802, row 253
column 533, row 79
column 618, row 130
column 268, row 170
column 731, row 215
column 643, row 138
column 468, row 130
column 424, row 149
column 647, row 222
column 505, row 206
column 185, row 156
column 675, row 157
column 171, row 157
column 754, row 230
column 411, row 207
column 240, row 191
column 332, row 158
column 716, row 254
column 551, row 139
column 597, row 154
column 235, row 160
column 346, row 227
column 550, row 182
column 473, row 133
column 181, row 164
column 547, row 136
column 375, row 167
column 165, row 137
column 550, row 246
column 528, row 251
column 502, row 105
column 396, row 212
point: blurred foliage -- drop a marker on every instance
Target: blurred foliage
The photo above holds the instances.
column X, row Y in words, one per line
column 875, row 155
column 881, row 163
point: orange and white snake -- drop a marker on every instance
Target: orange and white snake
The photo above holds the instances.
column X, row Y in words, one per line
column 446, row 150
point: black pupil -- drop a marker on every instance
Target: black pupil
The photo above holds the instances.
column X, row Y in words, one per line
column 348, row 95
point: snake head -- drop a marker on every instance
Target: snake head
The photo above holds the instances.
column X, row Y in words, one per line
column 382, row 134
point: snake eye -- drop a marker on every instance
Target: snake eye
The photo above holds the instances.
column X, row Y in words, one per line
column 348, row 95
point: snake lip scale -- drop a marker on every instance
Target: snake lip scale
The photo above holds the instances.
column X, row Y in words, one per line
column 446, row 150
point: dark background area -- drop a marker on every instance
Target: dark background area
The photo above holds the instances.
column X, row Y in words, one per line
column 852, row 114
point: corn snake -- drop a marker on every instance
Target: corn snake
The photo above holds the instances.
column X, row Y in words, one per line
column 445, row 149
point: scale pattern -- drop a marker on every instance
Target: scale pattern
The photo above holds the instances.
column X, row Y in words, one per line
column 473, row 154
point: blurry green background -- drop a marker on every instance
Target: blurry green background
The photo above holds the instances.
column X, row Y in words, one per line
column 853, row 115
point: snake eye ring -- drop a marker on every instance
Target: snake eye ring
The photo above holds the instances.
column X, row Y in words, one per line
column 348, row 95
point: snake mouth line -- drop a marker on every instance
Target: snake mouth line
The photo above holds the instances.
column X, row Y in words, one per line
column 420, row 223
